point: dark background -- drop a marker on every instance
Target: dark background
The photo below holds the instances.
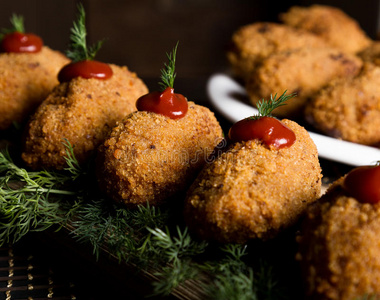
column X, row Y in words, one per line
column 138, row 34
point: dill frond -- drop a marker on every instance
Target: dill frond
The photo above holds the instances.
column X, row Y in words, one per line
column 177, row 250
column 265, row 107
column 17, row 22
column 123, row 232
column 168, row 74
column 172, row 276
column 72, row 163
column 175, row 247
column 35, row 201
column 29, row 200
column 233, row 278
column 231, row 286
column 78, row 49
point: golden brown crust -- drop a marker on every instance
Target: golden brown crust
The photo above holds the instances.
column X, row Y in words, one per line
column 329, row 23
column 149, row 157
column 349, row 109
column 252, row 191
column 339, row 247
column 302, row 71
column 26, row 79
column 254, row 42
column 82, row 111
column 371, row 54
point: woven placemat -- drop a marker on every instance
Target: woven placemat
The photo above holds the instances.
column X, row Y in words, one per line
column 23, row 276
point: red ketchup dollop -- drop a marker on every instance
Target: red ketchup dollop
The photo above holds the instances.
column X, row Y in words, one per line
column 269, row 130
column 85, row 69
column 166, row 103
column 363, row 184
column 18, row 42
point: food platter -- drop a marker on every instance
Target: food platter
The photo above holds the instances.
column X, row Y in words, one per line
column 228, row 98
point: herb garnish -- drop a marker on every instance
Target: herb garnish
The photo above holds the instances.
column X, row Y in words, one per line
column 168, row 73
column 265, row 107
column 78, row 49
column 17, row 25
column 29, row 200
column 148, row 237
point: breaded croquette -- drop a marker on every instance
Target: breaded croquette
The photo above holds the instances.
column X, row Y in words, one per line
column 301, row 71
column 331, row 24
column 252, row 191
column 339, row 247
column 26, row 79
column 349, row 109
column 254, row 42
column 371, row 54
column 81, row 111
column 149, row 157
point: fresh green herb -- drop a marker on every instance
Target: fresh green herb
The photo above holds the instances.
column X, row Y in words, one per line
column 72, row 163
column 78, row 50
column 178, row 251
column 230, row 285
column 119, row 230
column 265, row 107
column 175, row 247
column 171, row 276
column 146, row 237
column 168, row 73
column 17, row 25
column 29, row 200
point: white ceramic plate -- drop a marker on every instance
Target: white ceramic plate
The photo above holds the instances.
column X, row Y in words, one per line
column 226, row 96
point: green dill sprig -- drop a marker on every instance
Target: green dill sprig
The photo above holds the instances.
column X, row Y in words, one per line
column 73, row 166
column 233, row 278
column 17, row 22
column 121, row 231
column 176, row 250
column 78, row 49
column 265, row 107
column 29, row 200
column 233, row 286
column 175, row 247
column 171, row 276
column 34, row 201
column 168, row 74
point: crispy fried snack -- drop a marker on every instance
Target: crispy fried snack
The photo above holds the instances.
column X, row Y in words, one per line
column 330, row 23
column 301, row 71
column 349, row 109
column 339, row 247
column 82, row 111
column 252, row 191
column 26, row 79
column 149, row 157
column 371, row 54
column 254, row 42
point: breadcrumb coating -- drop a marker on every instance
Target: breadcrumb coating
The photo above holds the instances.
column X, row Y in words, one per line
column 252, row 191
column 371, row 54
column 339, row 247
column 349, row 109
column 254, row 42
column 302, row 71
column 330, row 23
column 26, row 79
column 149, row 157
column 82, row 111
